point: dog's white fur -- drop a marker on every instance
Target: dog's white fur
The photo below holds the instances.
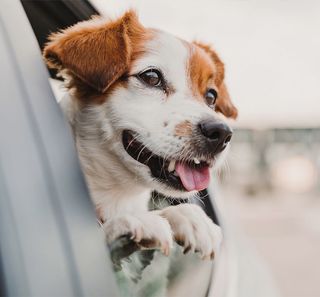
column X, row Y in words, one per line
column 119, row 185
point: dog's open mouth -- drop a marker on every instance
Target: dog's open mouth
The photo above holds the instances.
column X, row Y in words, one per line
column 190, row 175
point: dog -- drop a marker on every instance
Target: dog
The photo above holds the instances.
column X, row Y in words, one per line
column 146, row 109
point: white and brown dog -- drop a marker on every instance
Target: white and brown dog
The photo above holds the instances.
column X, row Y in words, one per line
column 144, row 108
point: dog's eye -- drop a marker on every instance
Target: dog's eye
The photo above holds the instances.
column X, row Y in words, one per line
column 211, row 97
column 151, row 77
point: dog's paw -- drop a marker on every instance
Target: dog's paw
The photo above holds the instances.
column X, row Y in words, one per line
column 193, row 229
column 148, row 230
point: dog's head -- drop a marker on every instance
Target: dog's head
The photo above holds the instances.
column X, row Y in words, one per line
column 154, row 99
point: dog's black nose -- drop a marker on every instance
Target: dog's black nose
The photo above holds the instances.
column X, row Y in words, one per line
column 218, row 134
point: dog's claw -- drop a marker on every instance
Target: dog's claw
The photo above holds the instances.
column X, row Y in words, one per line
column 180, row 242
column 187, row 249
column 212, row 255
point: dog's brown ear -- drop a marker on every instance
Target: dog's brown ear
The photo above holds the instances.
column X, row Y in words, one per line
column 95, row 51
column 224, row 103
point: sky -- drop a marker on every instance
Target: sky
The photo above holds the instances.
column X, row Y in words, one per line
column 271, row 50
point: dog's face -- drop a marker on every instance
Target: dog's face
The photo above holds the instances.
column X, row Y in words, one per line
column 155, row 98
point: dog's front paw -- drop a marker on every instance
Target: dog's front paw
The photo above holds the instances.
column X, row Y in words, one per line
column 148, row 230
column 193, row 229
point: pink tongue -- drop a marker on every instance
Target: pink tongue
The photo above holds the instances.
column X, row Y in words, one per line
column 193, row 179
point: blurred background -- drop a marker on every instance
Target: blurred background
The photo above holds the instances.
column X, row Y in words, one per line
column 270, row 186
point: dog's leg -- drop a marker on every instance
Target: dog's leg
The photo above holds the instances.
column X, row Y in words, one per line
column 193, row 229
column 148, row 230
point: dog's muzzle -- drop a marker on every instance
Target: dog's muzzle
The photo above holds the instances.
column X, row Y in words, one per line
column 188, row 171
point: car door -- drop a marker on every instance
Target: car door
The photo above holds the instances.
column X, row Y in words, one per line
column 49, row 242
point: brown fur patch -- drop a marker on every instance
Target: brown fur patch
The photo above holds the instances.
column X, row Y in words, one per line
column 224, row 103
column 219, row 66
column 201, row 71
column 206, row 70
column 95, row 54
column 183, row 129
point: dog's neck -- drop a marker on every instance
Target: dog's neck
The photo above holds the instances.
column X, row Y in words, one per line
column 113, row 189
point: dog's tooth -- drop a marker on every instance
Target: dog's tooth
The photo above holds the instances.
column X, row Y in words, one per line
column 172, row 165
column 196, row 161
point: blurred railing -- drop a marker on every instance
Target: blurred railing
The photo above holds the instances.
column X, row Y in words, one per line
column 275, row 159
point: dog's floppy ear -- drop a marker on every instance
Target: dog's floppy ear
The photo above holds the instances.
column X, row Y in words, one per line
column 224, row 103
column 96, row 51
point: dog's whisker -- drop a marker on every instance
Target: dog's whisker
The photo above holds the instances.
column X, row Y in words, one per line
column 133, row 140
column 143, row 148
column 197, row 197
